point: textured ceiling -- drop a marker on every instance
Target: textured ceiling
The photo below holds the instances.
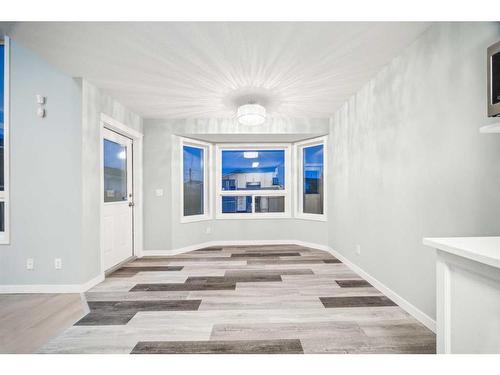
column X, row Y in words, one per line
column 204, row 70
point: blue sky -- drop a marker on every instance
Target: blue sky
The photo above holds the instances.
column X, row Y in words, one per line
column 312, row 157
column 193, row 158
column 111, row 158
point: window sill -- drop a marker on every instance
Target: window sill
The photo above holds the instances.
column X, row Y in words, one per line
column 195, row 218
column 262, row 216
column 4, row 239
column 311, row 217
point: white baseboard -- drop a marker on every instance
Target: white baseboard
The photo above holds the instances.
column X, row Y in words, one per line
column 51, row 288
column 411, row 309
column 403, row 303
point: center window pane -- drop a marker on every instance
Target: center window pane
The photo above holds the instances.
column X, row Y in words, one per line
column 253, row 170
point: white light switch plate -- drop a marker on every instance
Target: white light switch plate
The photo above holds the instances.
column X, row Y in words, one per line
column 159, row 192
column 30, row 263
column 57, row 263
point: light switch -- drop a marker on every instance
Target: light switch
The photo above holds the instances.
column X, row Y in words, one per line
column 30, row 263
column 57, row 263
column 40, row 99
column 159, row 192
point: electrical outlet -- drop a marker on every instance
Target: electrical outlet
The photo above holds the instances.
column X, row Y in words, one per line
column 159, row 192
column 57, row 263
column 358, row 249
column 30, row 263
column 208, row 230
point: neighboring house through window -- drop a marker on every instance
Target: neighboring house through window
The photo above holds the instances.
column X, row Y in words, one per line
column 253, row 181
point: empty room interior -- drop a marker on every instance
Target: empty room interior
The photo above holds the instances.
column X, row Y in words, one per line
column 249, row 187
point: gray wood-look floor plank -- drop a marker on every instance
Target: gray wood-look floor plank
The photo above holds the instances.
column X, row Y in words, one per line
column 219, row 347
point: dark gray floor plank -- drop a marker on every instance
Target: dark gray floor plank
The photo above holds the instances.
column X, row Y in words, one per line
column 364, row 301
column 353, row 283
column 134, row 306
column 282, row 272
column 219, row 347
column 174, row 287
column 232, row 279
column 105, row 319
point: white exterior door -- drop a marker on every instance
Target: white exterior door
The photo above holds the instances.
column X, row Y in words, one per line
column 117, row 199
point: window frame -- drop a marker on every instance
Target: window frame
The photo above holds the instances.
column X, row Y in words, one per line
column 299, row 159
column 5, row 194
column 286, row 192
column 207, row 168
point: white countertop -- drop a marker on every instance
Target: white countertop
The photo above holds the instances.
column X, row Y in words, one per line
column 480, row 249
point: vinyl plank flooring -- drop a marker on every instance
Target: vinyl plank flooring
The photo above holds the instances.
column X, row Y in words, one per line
column 240, row 299
column 220, row 347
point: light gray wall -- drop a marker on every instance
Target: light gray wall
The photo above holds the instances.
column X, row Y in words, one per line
column 55, row 173
column 162, row 227
column 407, row 160
column 95, row 102
column 45, row 178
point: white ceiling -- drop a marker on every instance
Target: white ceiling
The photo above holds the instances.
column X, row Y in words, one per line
column 204, row 70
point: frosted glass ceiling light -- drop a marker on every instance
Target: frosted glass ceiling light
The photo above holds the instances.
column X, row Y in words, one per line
column 251, row 114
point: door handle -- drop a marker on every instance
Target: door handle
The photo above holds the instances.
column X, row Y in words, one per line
column 131, row 204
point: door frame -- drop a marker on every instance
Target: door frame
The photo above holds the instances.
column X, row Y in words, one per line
column 137, row 141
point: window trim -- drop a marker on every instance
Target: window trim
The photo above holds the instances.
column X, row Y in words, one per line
column 299, row 183
column 207, row 172
column 5, row 195
column 219, row 193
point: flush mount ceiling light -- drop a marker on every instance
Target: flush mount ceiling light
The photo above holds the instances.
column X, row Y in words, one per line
column 251, row 114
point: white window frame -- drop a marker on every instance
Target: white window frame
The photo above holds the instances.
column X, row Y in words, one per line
column 207, row 172
column 5, row 195
column 287, row 147
column 298, row 150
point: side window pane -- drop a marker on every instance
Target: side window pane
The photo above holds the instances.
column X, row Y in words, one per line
column 236, row 204
column 193, row 160
column 269, row 204
column 313, row 179
column 253, row 170
column 115, row 172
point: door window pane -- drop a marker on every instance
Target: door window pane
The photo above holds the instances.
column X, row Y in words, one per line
column 253, row 170
column 115, row 172
column 193, row 173
column 236, row 204
column 313, row 179
column 269, row 204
